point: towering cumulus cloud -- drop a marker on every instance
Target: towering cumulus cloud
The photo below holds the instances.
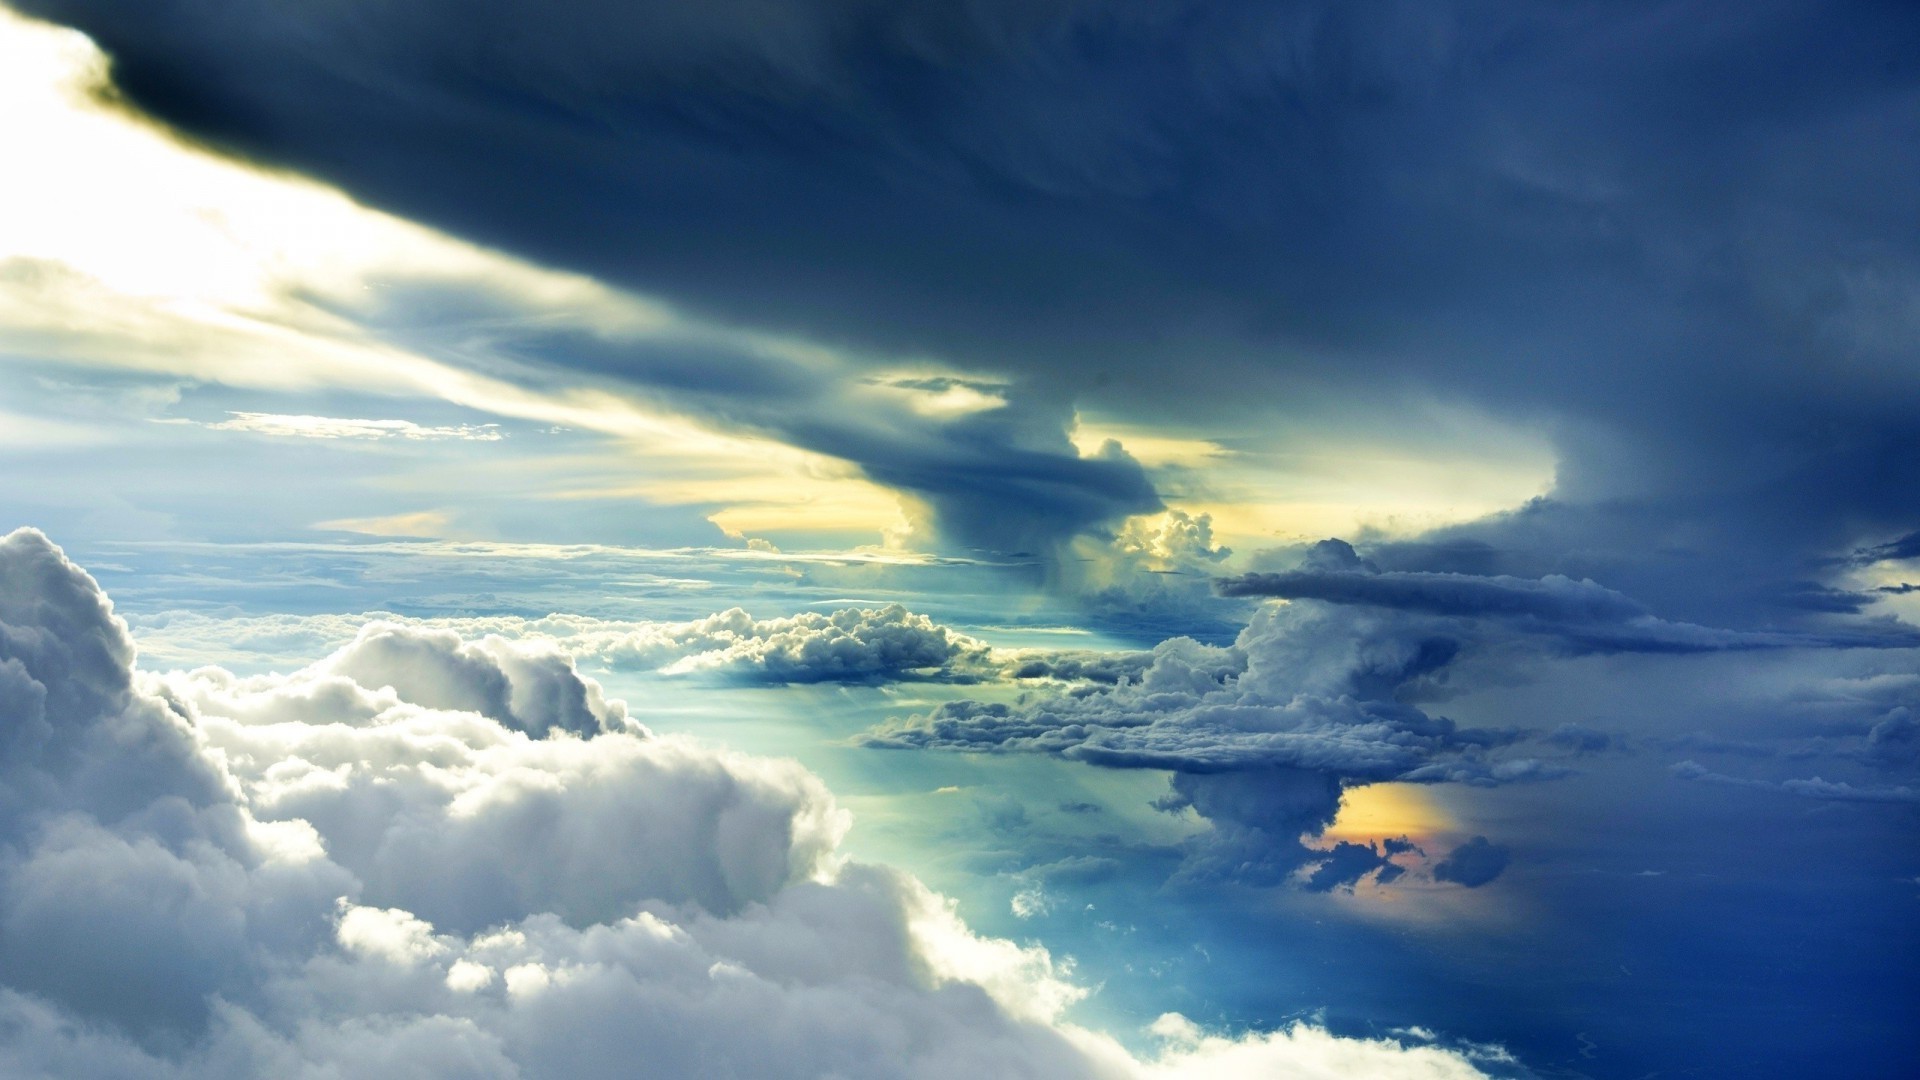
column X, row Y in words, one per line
column 422, row 856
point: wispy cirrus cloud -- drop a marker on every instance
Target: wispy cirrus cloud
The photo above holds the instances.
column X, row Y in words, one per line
column 291, row 426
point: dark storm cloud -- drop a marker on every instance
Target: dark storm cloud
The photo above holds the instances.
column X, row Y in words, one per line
column 1905, row 547
column 1555, row 598
column 1678, row 242
column 1473, row 863
column 1582, row 615
column 990, row 463
column 1347, row 863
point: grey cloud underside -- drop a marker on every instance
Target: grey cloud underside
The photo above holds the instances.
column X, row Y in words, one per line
column 1473, row 863
column 1301, row 688
column 1347, row 863
column 1583, row 616
column 1580, row 617
column 1082, row 666
column 1678, row 244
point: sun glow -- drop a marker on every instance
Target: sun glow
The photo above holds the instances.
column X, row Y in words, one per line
column 1377, row 812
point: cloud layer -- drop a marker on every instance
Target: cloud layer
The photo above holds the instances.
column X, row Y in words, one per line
column 426, row 856
column 1581, row 616
column 1261, row 737
column 1675, row 247
column 847, row 645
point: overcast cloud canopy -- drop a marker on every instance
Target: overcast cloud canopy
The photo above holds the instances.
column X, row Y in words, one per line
column 1678, row 242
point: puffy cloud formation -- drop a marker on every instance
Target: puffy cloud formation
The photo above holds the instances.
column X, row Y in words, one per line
column 849, row 645
column 472, row 864
column 522, row 686
column 852, row 645
column 1473, row 863
column 1261, row 736
column 1154, row 574
column 1080, row 665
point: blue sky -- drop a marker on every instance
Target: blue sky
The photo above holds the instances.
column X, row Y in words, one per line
column 1305, row 539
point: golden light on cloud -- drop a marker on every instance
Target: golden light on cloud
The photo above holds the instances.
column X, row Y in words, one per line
column 1151, row 449
column 1444, row 463
column 939, row 396
column 429, row 523
column 1260, row 497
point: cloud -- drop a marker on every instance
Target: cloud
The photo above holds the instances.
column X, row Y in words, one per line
column 209, row 876
column 764, row 429
column 1068, row 665
column 1195, row 1054
column 1583, row 615
column 1261, row 737
column 1814, row 788
column 332, row 427
column 1151, row 578
column 1473, row 863
column 1579, row 739
column 1894, row 737
column 1346, row 863
column 848, row 645
column 1484, row 202
column 1555, row 598
column 526, row 687
column 1895, row 550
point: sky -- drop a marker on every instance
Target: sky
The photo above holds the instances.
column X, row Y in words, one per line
column 1080, row 538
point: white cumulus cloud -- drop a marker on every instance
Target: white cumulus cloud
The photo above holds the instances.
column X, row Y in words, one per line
column 425, row 856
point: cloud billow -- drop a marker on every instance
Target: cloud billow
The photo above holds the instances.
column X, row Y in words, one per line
column 1473, row 864
column 850, row 645
column 1261, row 737
column 531, row 660
column 462, row 871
